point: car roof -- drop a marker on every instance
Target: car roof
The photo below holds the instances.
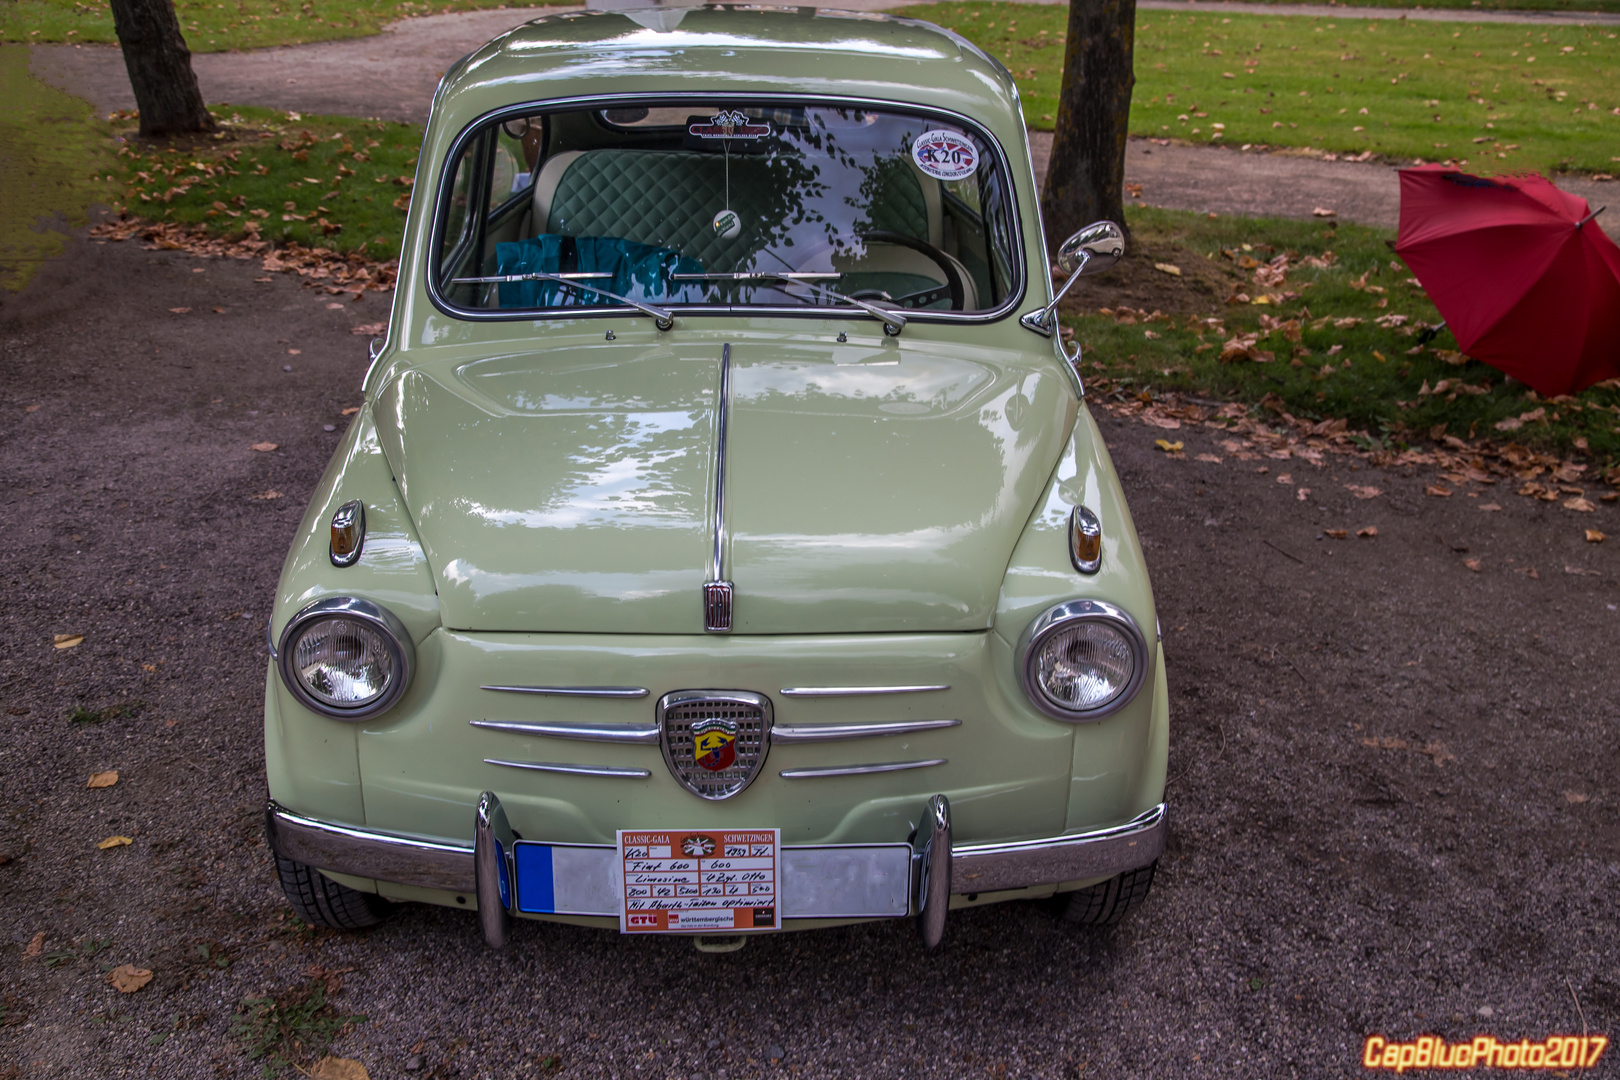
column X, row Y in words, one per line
column 731, row 48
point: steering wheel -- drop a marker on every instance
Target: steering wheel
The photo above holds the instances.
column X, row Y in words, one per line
column 953, row 277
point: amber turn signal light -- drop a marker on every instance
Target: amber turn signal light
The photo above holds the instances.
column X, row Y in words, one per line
column 348, row 533
column 1085, row 541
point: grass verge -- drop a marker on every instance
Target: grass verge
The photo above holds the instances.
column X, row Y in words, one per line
column 281, row 177
column 1478, row 5
column 52, row 153
column 1492, row 96
column 243, row 24
column 1321, row 321
column 297, row 1024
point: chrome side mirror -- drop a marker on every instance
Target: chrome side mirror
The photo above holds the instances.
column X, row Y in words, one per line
column 1093, row 249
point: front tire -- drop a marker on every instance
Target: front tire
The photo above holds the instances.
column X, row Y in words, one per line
column 320, row 901
column 1108, row 902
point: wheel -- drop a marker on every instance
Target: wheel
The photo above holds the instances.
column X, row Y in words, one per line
column 1108, row 902
column 953, row 279
column 320, row 901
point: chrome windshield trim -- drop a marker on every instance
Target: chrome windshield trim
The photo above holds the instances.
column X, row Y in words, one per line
column 805, row 733
column 574, row 691
column 858, row 770
column 631, row 734
column 619, row 771
column 1017, row 291
column 855, row 691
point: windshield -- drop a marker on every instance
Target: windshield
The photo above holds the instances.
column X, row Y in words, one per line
column 735, row 205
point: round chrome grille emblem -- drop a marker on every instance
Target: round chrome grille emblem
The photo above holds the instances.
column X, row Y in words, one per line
column 714, row 740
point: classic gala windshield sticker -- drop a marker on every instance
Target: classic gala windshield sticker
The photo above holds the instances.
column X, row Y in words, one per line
column 731, row 125
column 945, row 155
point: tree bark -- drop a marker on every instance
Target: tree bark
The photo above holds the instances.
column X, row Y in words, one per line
column 159, row 67
column 1085, row 177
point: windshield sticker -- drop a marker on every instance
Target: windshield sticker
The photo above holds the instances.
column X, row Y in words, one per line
column 731, row 125
column 945, row 155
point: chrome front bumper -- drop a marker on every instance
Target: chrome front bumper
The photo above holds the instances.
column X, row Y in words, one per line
column 939, row 868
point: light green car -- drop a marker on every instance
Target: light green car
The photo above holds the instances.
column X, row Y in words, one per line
column 724, row 545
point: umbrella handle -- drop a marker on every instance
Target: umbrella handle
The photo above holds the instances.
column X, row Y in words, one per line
column 1590, row 216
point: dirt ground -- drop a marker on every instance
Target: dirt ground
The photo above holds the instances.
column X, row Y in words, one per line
column 1392, row 800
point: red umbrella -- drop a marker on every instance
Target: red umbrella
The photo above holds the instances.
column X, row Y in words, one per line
column 1524, row 279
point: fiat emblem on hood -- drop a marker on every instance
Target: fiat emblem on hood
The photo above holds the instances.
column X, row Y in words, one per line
column 714, row 740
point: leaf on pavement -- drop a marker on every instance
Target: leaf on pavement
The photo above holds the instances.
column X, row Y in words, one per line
column 127, row 978
column 1362, row 491
column 1369, row 531
column 1593, row 536
column 1585, row 506
column 1575, row 797
column 1322, row 211
column 1489, row 507
column 1213, row 459
column 265, row 447
column 371, row 329
column 1439, row 491
column 1303, row 494
column 1168, row 268
column 1335, row 534
column 180, row 310
column 114, row 841
column 264, row 495
column 36, row 945
column 103, row 779
column 67, row 641
column 1473, row 564
column 1167, row 446
column 336, row 1068
column 351, row 410
column 1169, row 423
column 1386, row 742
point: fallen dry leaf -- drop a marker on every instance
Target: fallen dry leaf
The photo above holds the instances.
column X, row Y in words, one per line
column 1473, row 564
column 1303, row 494
column 1168, row 268
column 114, row 841
column 271, row 494
column 1169, row 423
column 1438, row 490
column 371, row 329
column 1585, row 506
column 36, row 945
column 1322, row 211
column 1593, row 536
column 265, row 447
column 351, row 410
column 180, row 310
column 127, row 978
column 1512, row 423
column 336, row 1068
column 1211, row 458
column 1488, row 507
column 1438, row 753
column 1362, row 491
column 1575, row 797
column 1285, row 478
column 1369, row 531
column 1167, row 446
column 67, row 641
column 1335, row 534
column 1386, row 742
column 103, row 779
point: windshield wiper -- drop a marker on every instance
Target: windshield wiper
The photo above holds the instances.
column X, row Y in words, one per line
column 893, row 321
column 661, row 318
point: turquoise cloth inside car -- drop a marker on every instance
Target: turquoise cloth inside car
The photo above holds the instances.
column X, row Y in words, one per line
column 640, row 272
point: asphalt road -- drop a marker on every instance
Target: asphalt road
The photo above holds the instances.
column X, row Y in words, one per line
column 1392, row 805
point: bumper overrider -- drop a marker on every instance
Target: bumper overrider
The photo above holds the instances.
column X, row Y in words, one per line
column 510, row 877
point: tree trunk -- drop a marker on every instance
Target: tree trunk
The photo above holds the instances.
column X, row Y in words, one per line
column 1085, row 177
column 159, row 68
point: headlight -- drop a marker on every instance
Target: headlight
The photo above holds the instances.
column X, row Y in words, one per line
column 346, row 658
column 1082, row 660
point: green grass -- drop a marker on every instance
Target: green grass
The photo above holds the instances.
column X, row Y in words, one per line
column 295, row 1025
column 1478, row 5
column 213, row 26
column 50, row 145
column 1375, row 376
column 319, row 180
column 1404, row 89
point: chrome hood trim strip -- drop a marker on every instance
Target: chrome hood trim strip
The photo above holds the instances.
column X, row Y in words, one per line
column 574, row 770
column 856, row 691
column 574, row 691
column 631, row 734
column 859, row 770
column 806, row 733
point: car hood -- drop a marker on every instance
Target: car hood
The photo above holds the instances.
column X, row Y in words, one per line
column 876, row 488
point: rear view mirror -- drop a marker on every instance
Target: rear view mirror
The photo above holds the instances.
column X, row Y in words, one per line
column 1093, row 249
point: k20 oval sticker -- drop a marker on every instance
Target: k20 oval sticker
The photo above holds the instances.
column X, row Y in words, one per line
column 945, row 155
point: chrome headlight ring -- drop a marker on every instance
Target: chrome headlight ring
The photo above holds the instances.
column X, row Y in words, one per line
column 396, row 638
column 1066, row 616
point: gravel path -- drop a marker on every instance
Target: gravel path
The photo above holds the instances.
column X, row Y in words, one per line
column 1392, row 795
